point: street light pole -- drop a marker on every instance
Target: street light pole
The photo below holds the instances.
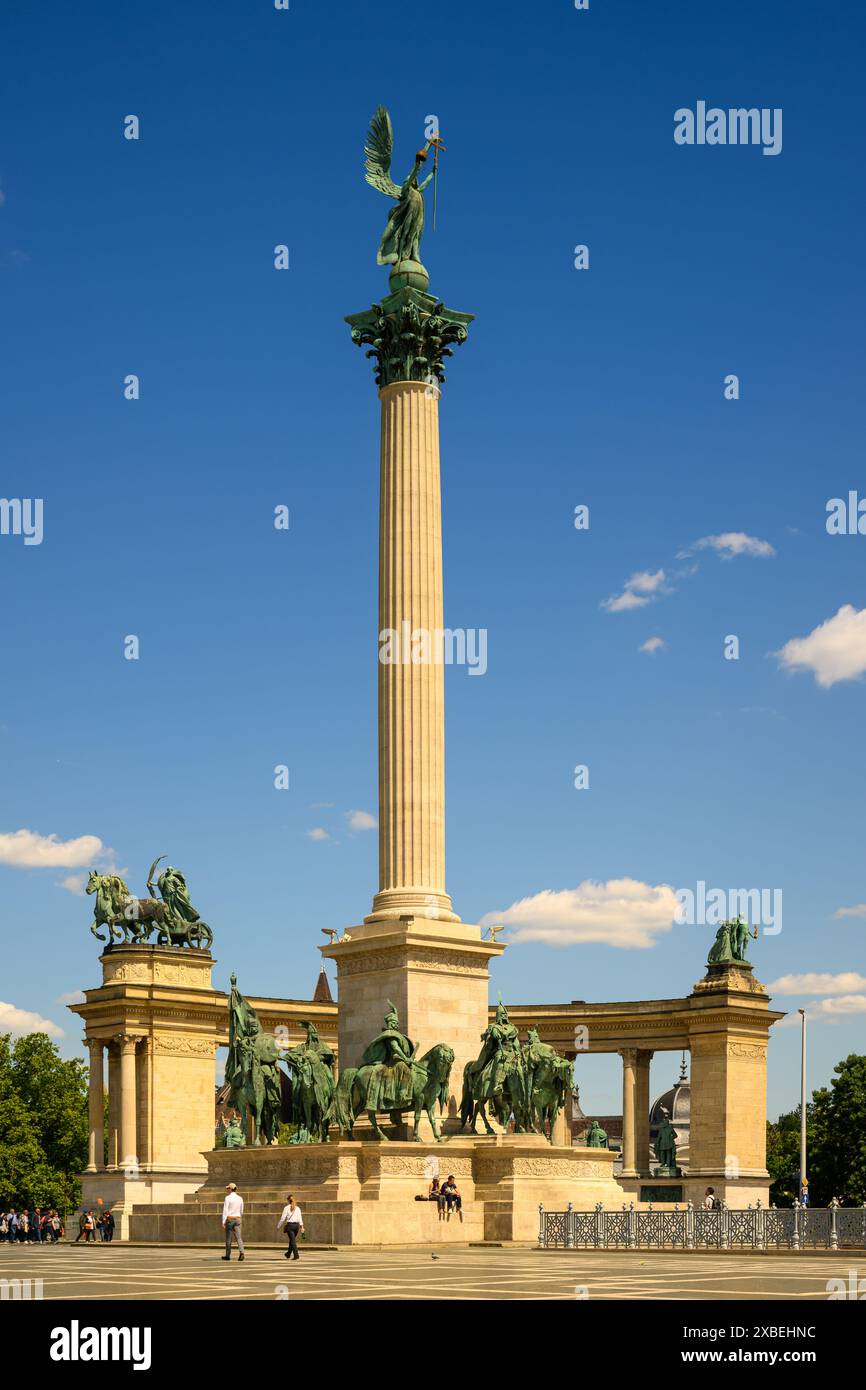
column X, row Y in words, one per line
column 803, row 1178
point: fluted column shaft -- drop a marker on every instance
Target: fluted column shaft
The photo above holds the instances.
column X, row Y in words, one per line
column 411, row 671
column 642, row 1105
column 95, row 1107
column 629, row 1097
column 128, row 1155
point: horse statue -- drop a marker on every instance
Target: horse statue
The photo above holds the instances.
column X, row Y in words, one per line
column 251, row 1070
column 132, row 919
column 311, row 1064
column 423, row 1084
column 550, row 1079
column 498, row 1076
column 127, row 918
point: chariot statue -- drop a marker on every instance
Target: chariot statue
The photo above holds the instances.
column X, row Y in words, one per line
column 133, row 920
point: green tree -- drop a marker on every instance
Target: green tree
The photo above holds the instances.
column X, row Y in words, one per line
column 43, row 1123
column 783, row 1156
column 837, row 1144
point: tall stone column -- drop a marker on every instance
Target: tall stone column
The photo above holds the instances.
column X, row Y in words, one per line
column 410, row 333
column 114, row 1157
column 411, row 692
column 412, row 949
column 128, row 1100
column 95, row 1106
column 629, row 1097
column 642, row 1105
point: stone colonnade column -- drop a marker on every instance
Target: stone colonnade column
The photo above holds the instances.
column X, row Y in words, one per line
column 114, row 1157
column 629, row 1098
column 412, row 679
column 95, row 1106
column 128, row 1153
column 642, row 1105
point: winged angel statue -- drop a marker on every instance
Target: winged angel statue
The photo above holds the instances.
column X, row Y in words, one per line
column 401, row 239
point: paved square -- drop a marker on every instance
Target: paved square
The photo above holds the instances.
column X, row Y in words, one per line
column 138, row 1272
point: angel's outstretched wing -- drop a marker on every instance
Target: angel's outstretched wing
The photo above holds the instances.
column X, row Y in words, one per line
column 377, row 154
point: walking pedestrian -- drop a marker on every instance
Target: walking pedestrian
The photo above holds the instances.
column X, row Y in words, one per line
column 233, row 1212
column 294, row 1224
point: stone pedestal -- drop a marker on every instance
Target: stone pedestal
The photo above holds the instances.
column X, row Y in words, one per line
column 158, row 1018
column 436, row 972
column 364, row 1193
column 728, row 1029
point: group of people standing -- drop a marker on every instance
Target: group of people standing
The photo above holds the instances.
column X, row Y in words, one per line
column 38, row 1225
column 93, row 1226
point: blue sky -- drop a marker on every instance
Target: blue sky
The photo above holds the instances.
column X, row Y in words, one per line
column 602, row 387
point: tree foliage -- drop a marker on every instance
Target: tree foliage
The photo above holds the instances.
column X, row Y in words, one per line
column 835, row 1142
column 43, row 1124
column 837, row 1159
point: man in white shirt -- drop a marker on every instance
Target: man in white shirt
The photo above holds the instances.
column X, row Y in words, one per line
column 233, row 1210
column 294, row 1224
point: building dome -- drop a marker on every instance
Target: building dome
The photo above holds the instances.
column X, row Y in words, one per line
column 677, row 1102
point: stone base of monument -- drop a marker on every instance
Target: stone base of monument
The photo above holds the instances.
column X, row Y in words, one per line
column 361, row 1193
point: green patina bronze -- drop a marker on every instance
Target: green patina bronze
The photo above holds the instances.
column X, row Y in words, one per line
column 311, row 1065
column 411, row 333
column 251, row 1070
column 549, row 1079
column 666, row 1148
column 234, row 1134
column 391, row 1080
column 498, row 1076
column 596, row 1137
column 132, row 919
column 401, row 240
column 731, row 941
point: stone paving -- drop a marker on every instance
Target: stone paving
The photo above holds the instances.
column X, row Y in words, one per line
column 145, row 1272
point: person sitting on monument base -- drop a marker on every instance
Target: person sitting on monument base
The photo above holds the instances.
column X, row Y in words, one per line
column 451, row 1194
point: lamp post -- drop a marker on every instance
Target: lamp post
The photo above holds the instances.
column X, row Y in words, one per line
column 803, row 1179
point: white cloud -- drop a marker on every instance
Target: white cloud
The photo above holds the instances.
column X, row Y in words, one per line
column 846, row 982
column 75, row 996
column 729, row 545
column 646, row 581
column 622, row 912
column 652, row 645
column 319, row 833
column 858, row 910
column 74, row 883
column 28, row 850
column 637, row 591
column 20, row 1021
column 834, row 651
column 361, row 820
column 830, row 1010
column 621, row 603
